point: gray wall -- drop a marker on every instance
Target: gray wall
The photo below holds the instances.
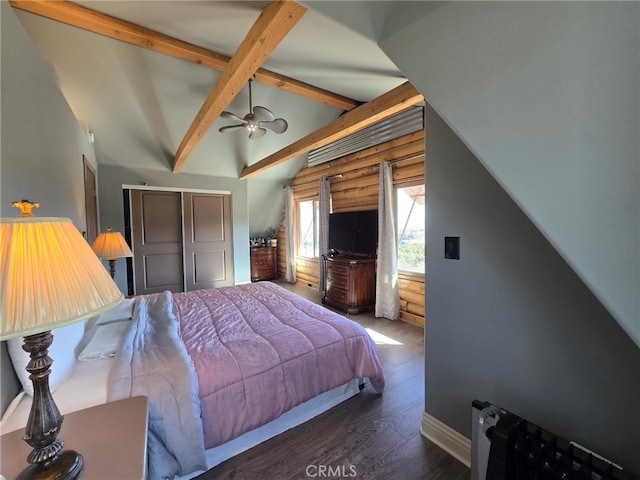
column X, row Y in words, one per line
column 266, row 204
column 41, row 149
column 511, row 323
column 545, row 94
column 42, row 142
column 110, row 181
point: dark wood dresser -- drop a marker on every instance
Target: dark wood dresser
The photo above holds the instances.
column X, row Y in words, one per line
column 350, row 282
column 264, row 263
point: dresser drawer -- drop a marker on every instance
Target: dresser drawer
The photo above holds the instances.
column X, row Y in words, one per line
column 337, row 294
column 262, row 253
column 337, row 280
column 337, row 270
column 262, row 271
column 256, row 262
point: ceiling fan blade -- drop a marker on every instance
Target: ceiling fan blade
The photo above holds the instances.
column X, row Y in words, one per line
column 230, row 115
column 231, row 127
column 279, row 125
column 257, row 133
column 261, row 114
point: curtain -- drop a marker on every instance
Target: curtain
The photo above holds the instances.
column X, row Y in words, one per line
column 323, row 227
column 387, row 295
column 290, row 235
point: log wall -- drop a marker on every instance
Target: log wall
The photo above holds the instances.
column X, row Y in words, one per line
column 357, row 189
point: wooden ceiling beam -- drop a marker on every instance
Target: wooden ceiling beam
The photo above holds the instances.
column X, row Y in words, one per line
column 401, row 97
column 102, row 24
column 274, row 23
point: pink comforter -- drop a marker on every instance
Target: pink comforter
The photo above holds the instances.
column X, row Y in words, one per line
column 259, row 350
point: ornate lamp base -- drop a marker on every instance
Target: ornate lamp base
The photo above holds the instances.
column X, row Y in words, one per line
column 66, row 465
column 112, row 267
column 47, row 459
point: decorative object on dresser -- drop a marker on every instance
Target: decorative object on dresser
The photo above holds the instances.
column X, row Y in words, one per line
column 272, row 237
column 264, row 263
column 50, row 278
column 111, row 246
column 350, row 281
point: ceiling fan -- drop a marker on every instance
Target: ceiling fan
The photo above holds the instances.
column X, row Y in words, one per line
column 256, row 121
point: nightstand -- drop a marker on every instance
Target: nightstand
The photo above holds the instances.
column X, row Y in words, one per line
column 111, row 437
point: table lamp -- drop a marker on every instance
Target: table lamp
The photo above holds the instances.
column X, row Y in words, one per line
column 111, row 246
column 49, row 278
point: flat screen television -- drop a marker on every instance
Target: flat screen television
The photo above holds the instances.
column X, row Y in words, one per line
column 354, row 232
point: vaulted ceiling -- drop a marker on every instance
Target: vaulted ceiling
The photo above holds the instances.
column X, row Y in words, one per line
column 151, row 78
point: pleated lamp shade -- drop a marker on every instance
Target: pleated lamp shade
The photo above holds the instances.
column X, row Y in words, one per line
column 111, row 245
column 49, row 277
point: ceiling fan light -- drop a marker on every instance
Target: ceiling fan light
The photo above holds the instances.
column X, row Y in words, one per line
column 256, row 121
column 257, row 133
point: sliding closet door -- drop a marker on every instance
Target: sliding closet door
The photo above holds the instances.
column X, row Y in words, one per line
column 156, row 228
column 207, row 242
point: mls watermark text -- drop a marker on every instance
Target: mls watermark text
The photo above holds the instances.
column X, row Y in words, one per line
column 331, row 471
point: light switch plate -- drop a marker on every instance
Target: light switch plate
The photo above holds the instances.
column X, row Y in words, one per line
column 452, row 248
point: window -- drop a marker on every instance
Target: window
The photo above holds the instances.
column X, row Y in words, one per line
column 410, row 215
column 308, row 212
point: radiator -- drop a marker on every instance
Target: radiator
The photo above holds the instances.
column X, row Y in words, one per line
column 507, row 447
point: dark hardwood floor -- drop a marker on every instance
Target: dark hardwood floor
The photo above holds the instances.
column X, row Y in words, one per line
column 369, row 436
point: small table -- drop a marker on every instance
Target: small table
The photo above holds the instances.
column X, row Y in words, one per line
column 112, row 438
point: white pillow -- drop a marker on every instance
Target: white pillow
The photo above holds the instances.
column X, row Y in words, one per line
column 105, row 342
column 62, row 351
column 123, row 311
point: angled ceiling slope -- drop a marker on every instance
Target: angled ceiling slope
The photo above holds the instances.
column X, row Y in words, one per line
column 236, row 71
column 109, row 26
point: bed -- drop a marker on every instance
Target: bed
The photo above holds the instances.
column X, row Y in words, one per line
column 223, row 369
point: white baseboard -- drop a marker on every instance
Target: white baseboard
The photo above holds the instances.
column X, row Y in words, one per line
column 446, row 438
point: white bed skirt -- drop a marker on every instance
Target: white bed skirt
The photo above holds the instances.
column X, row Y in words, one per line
column 294, row 417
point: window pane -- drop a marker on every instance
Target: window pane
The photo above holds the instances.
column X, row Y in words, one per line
column 307, row 229
column 410, row 204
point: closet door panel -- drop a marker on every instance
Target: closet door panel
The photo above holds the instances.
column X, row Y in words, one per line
column 208, row 241
column 210, row 267
column 157, row 241
column 160, row 272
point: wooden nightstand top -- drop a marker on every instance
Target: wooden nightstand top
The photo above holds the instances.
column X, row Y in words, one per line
column 111, row 437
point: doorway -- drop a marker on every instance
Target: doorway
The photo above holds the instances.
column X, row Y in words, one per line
column 90, row 201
